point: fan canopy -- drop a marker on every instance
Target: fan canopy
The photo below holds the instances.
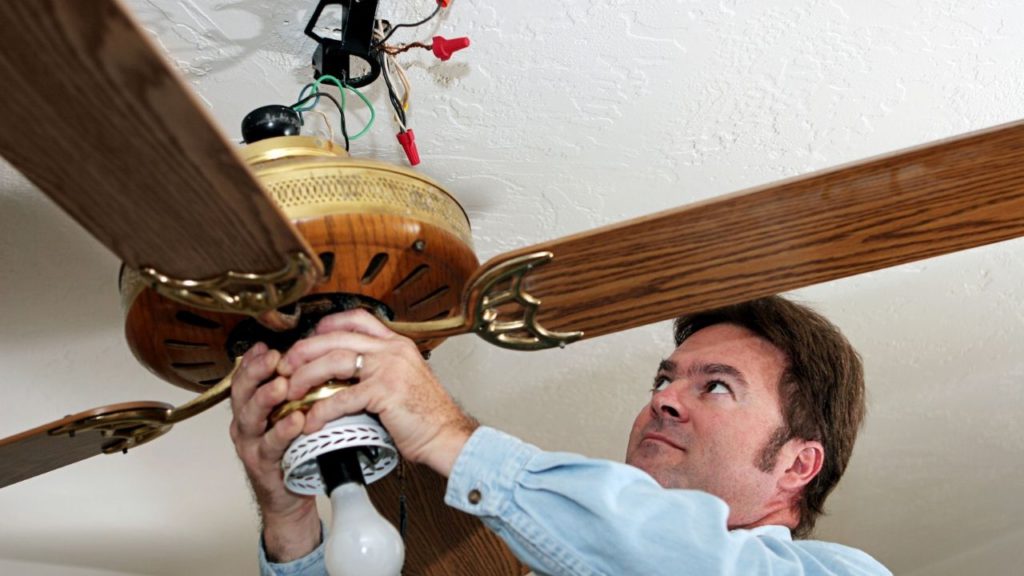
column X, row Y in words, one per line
column 390, row 239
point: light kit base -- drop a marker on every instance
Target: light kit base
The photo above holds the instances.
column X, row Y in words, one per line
column 378, row 456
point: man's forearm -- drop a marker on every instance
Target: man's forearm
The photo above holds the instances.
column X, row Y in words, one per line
column 287, row 539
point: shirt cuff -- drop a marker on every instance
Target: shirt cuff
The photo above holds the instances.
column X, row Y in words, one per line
column 486, row 471
column 311, row 564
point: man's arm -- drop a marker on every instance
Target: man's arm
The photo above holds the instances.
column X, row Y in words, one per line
column 291, row 526
column 561, row 514
column 566, row 514
column 395, row 383
column 427, row 425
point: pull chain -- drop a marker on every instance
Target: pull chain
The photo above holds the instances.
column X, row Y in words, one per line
column 402, row 511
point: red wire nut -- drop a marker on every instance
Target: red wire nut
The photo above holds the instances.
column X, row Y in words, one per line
column 444, row 48
column 408, row 141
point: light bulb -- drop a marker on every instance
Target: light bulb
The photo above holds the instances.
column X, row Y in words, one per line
column 360, row 542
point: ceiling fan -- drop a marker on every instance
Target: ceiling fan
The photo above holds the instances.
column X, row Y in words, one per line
column 203, row 213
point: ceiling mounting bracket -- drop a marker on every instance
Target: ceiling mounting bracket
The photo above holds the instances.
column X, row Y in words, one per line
column 257, row 295
column 332, row 56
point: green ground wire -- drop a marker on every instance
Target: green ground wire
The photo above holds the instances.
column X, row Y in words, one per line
column 373, row 114
column 315, row 86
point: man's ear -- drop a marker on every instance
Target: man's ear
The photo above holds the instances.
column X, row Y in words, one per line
column 806, row 458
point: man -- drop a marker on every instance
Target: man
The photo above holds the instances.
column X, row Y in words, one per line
column 750, row 425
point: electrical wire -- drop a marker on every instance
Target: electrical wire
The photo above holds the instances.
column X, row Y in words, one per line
column 341, row 89
column 316, row 97
column 379, row 43
column 369, row 105
column 396, row 103
column 406, row 85
column 388, row 63
column 315, row 86
column 405, row 47
column 327, row 123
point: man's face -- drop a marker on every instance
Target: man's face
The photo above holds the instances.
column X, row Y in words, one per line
column 714, row 407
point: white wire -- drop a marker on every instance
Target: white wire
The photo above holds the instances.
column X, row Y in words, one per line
column 406, row 86
column 388, row 61
column 327, row 122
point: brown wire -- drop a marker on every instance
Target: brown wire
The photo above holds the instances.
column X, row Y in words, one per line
column 399, row 49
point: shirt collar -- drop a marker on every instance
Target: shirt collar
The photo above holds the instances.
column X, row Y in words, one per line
column 773, row 530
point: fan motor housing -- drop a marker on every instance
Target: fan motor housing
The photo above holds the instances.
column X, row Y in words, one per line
column 387, row 235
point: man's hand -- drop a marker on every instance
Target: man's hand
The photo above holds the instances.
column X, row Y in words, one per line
column 291, row 526
column 395, row 384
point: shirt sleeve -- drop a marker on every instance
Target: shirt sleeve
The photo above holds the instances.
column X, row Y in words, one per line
column 311, row 564
column 564, row 514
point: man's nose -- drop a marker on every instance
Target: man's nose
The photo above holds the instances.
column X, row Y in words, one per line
column 667, row 404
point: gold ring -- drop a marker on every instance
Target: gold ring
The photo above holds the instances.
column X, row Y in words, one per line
column 358, row 368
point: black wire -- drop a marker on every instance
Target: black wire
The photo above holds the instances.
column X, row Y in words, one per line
column 317, row 95
column 381, row 42
column 341, row 111
column 396, row 102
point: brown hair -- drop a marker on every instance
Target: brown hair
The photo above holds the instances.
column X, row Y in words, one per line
column 821, row 389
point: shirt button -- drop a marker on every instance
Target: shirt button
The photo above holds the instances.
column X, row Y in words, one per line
column 474, row 496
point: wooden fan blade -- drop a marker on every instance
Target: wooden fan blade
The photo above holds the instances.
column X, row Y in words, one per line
column 96, row 118
column 439, row 540
column 52, row 445
column 926, row 201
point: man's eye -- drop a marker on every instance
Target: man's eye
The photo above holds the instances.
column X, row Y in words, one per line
column 717, row 387
column 660, row 382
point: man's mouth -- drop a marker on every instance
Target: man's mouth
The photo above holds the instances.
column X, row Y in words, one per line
column 655, row 437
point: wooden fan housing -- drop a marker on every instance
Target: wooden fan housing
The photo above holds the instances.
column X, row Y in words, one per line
column 386, row 235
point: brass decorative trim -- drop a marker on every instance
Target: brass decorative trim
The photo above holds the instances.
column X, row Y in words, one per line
column 206, row 400
column 315, row 187
column 325, row 390
column 256, row 295
column 290, row 147
column 126, row 429
column 134, row 427
column 313, row 178
column 482, row 315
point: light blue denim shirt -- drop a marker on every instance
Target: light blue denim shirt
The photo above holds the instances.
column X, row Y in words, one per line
column 563, row 514
column 311, row 564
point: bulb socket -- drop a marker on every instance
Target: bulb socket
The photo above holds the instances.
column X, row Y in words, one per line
column 340, row 467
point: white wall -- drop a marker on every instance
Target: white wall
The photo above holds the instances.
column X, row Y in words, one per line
column 13, row 567
column 1004, row 555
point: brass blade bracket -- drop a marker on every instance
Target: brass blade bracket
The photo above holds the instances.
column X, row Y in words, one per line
column 321, row 392
column 497, row 307
column 256, row 295
column 125, row 428
column 134, row 427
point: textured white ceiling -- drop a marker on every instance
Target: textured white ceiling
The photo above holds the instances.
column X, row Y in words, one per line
column 560, row 117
